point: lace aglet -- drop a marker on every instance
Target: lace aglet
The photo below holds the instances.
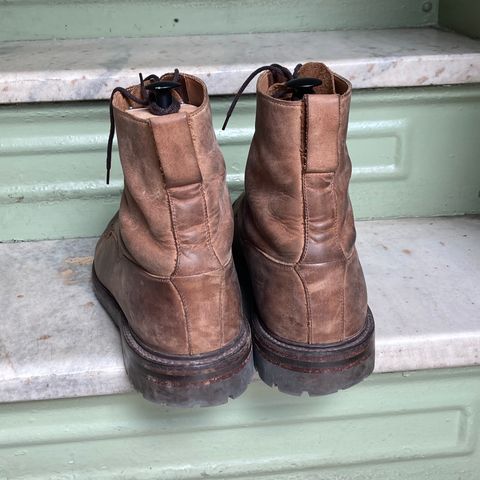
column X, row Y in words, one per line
column 108, row 177
column 224, row 126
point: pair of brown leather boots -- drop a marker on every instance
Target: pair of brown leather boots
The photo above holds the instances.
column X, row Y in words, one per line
column 164, row 269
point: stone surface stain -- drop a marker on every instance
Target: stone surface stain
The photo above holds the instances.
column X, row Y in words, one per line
column 5, row 355
column 68, row 276
column 76, row 270
column 79, row 260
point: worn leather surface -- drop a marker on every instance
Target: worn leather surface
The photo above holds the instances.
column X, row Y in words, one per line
column 166, row 256
column 295, row 221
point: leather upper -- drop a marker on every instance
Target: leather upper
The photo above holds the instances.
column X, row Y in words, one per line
column 166, row 255
column 295, row 220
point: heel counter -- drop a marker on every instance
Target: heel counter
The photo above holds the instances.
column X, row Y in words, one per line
column 355, row 297
column 338, row 299
column 213, row 308
column 283, row 311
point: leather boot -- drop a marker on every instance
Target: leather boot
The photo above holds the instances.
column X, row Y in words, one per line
column 295, row 236
column 163, row 268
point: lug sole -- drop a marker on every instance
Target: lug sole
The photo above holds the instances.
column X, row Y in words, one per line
column 314, row 369
column 177, row 380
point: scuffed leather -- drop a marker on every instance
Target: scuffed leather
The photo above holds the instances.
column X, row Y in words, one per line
column 166, row 256
column 295, row 221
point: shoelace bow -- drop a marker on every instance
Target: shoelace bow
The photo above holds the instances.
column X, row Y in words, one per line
column 278, row 72
column 146, row 100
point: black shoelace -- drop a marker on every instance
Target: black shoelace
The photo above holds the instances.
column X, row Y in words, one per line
column 280, row 74
column 146, row 100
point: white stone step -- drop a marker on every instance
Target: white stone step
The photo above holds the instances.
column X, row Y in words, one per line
column 423, row 278
column 66, row 70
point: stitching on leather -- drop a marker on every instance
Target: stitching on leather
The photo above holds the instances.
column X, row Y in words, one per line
column 279, row 102
column 334, row 182
column 337, row 233
column 194, row 141
column 304, row 130
column 351, row 254
column 122, row 250
column 337, row 241
column 343, row 299
column 123, row 113
column 125, row 250
column 284, row 264
column 304, row 157
column 207, row 224
column 174, row 225
column 333, row 228
column 220, row 313
column 307, row 305
column 185, row 313
column 202, row 189
column 169, row 278
column 268, row 257
column 306, row 220
column 130, row 118
column 170, row 206
column 335, row 215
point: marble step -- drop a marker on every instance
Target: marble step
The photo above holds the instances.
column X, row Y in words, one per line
column 88, row 69
column 56, row 341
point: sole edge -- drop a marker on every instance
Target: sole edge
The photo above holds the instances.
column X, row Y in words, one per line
column 318, row 370
column 191, row 386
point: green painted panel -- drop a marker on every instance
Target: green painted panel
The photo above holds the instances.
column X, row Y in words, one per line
column 462, row 16
column 42, row 19
column 415, row 152
column 421, row 425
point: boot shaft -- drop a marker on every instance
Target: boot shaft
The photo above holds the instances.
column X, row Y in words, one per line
column 298, row 171
column 175, row 214
column 166, row 258
column 295, row 221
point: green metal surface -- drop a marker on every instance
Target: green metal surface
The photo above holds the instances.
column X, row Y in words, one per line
column 42, row 19
column 421, row 425
column 462, row 16
column 415, row 152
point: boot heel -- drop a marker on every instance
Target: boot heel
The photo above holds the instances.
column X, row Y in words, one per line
column 317, row 370
column 297, row 368
column 182, row 381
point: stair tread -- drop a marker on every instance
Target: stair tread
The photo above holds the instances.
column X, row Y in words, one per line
column 56, row 341
column 88, row 69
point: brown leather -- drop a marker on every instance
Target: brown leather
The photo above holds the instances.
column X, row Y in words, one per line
column 295, row 222
column 166, row 256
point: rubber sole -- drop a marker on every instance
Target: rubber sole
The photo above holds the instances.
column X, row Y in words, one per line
column 179, row 380
column 314, row 369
